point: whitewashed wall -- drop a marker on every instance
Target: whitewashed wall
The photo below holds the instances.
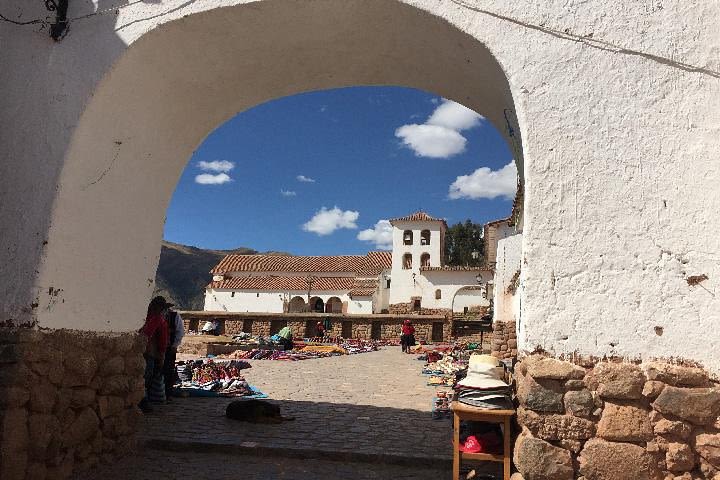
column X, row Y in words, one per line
column 506, row 306
column 448, row 282
column 402, row 285
column 618, row 104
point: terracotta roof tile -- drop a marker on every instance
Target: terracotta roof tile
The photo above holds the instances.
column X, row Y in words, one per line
column 461, row 268
column 418, row 216
column 282, row 283
column 371, row 264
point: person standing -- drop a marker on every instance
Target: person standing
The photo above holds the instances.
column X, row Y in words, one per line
column 156, row 332
column 176, row 332
column 320, row 330
column 407, row 337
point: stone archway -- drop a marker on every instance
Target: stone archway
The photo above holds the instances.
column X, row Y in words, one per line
column 297, row 305
column 147, row 116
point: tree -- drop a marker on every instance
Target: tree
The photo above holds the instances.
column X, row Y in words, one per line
column 464, row 244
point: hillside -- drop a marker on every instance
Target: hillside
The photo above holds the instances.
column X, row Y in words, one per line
column 183, row 272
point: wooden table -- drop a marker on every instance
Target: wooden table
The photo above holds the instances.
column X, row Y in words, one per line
column 462, row 411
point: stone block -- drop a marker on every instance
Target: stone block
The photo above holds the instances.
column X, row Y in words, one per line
column 677, row 375
column 13, row 465
column 616, row 380
column 696, row 405
column 80, row 368
column 555, row 427
column 14, row 432
column 579, row 403
column 540, row 395
column 603, row 460
column 36, row 471
column 652, row 389
column 553, row 369
column 82, row 397
column 10, row 353
column 679, row 458
column 112, row 366
column 42, row 428
column 16, row 375
column 82, row 428
column 537, row 459
column 110, row 405
column 13, row 397
column 707, row 445
column 43, row 397
column 115, row 385
column 676, row 429
column 624, row 423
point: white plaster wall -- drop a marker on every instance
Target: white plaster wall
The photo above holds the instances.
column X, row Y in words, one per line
column 506, row 306
column 618, row 104
column 362, row 305
column 261, row 300
column 449, row 283
column 402, row 285
column 469, row 299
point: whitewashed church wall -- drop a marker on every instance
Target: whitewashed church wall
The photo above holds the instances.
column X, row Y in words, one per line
column 506, row 304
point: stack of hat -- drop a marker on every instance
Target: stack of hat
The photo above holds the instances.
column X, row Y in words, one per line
column 483, row 386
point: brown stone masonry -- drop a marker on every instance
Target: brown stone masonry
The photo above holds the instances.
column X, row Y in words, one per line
column 616, row 420
column 67, row 400
column 504, row 340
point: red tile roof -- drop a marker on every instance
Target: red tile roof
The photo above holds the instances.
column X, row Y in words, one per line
column 364, row 287
column 418, row 216
column 372, row 263
column 461, row 268
column 282, row 283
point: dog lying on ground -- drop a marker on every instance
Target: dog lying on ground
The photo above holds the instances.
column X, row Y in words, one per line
column 255, row 411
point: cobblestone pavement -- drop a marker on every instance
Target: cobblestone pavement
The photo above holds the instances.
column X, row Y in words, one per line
column 366, row 414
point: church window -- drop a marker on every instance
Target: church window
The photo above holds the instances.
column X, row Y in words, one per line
column 438, row 294
column 425, row 237
column 408, row 237
column 425, row 260
column 232, row 294
column 407, row 261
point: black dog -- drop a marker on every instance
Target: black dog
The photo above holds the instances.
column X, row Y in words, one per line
column 255, row 411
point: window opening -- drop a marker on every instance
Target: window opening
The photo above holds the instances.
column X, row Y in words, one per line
column 416, row 305
column 408, row 237
column 425, row 237
column 425, row 260
column 407, row 261
column 438, row 294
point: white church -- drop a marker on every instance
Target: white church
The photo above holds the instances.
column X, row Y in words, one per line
column 410, row 278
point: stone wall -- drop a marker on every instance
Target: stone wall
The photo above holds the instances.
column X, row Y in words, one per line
column 607, row 420
column 504, row 340
column 232, row 323
column 68, row 400
column 407, row 309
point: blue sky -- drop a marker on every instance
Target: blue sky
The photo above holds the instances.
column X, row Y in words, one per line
column 311, row 173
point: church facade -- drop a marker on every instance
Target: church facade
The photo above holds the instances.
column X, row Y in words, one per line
column 411, row 278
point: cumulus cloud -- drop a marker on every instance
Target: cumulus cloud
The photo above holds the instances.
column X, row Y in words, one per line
column 380, row 235
column 486, row 183
column 287, row 193
column 325, row 221
column 303, row 178
column 439, row 136
column 209, row 179
column 454, row 116
column 216, row 166
column 431, row 140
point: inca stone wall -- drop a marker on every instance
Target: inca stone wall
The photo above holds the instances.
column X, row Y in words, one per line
column 504, row 340
column 614, row 420
column 68, row 400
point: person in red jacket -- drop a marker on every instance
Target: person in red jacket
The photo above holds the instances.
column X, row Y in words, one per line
column 407, row 339
column 156, row 331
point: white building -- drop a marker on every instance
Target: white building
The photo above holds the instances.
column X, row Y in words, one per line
column 410, row 278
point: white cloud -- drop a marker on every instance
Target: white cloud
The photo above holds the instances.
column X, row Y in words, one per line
column 303, row 178
column 209, row 179
column 380, row 235
column 486, row 183
column 287, row 193
column 431, row 140
column 325, row 221
column 216, row 166
column 454, row 116
column 439, row 136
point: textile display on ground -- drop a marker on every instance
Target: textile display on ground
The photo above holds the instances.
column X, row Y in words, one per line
column 212, row 378
column 306, row 350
